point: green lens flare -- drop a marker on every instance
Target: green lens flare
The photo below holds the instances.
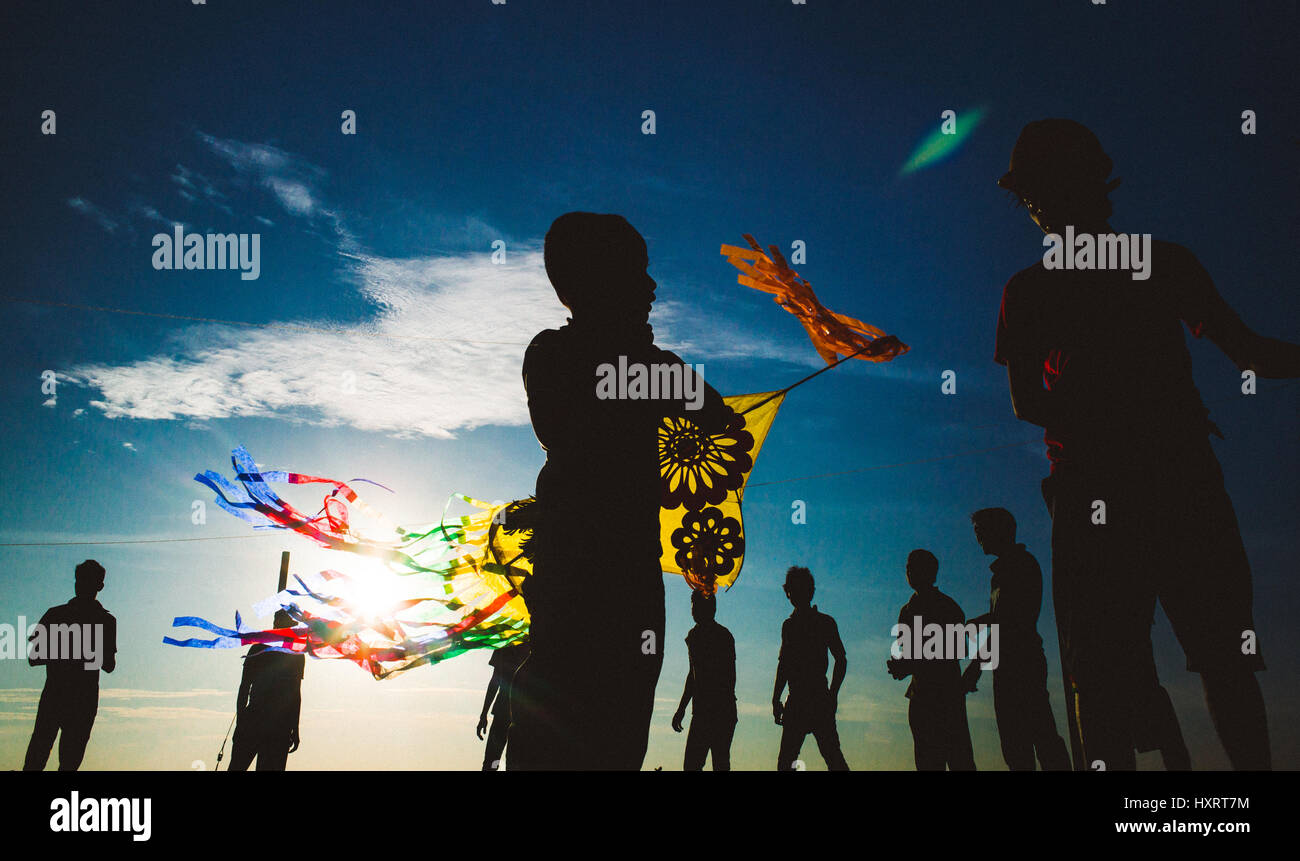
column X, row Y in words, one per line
column 939, row 146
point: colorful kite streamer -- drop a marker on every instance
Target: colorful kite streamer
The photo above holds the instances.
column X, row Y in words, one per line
column 453, row 586
column 833, row 334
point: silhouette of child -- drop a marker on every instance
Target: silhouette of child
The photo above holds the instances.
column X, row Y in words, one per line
column 583, row 699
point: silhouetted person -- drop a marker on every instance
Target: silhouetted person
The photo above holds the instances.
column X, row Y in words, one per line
column 937, row 708
column 806, row 639
column 710, row 688
column 268, row 706
column 579, row 702
column 504, row 662
column 1099, row 360
column 73, row 641
column 1020, row 700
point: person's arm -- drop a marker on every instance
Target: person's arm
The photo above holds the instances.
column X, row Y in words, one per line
column 294, row 738
column 245, row 686
column 494, row 684
column 1030, row 401
column 687, row 692
column 778, row 689
column 1208, row 315
column 711, row 412
column 841, row 660
column 1269, row 358
column 109, row 645
column 43, row 627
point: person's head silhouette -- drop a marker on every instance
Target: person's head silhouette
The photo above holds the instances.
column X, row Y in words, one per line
column 799, row 586
column 703, row 607
column 1059, row 172
column 922, row 569
column 995, row 530
column 89, row 579
column 597, row 265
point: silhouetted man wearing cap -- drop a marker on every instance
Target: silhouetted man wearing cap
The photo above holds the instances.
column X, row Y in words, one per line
column 583, row 698
column 1139, row 511
column 73, row 641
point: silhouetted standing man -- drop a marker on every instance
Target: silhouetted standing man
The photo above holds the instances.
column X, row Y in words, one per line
column 1139, row 511
column 579, row 704
column 937, row 711
column 268, row 706
column 504, row 662
column 1020, row 700
column 70, row 698
column 710, row 688
column 806, row 638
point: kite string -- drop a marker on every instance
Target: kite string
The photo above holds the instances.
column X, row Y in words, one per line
column 835, row 364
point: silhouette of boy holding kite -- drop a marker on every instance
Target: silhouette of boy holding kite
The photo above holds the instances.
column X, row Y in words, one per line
column 584, row 697
column 1139, row 511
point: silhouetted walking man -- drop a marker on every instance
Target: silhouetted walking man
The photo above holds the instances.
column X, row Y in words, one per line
column 1139, row 510
column 73, row 641
column 504, row 662
column 710, row 688
column 268, row 706
column 1020, row 700
column 937, row 711
column 806, row 638
column 577, row 703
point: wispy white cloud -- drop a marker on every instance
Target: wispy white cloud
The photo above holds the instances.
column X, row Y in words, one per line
column 90, row 210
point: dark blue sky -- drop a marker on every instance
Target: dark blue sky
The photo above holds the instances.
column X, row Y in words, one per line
column 479, row 122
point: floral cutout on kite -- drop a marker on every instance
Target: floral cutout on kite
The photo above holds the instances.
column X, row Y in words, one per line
column 697, row 468
column 833, row 335
column 708, row 546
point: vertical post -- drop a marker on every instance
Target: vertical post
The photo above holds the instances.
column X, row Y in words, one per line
column 284, row 572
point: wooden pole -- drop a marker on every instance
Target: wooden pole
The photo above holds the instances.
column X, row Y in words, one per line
column 284, row 572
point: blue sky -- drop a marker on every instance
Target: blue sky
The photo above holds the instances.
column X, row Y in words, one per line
column 479, row 122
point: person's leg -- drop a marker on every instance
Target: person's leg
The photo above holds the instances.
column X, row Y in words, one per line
column 960, row 756
column 927, row 745
column 1013, row 731
column 697, row 745
column 1207, row 593
column 721, row 746
column 1099, row 583
column 44, row 732
column 242, row 750
column 791, row 741
column 273, row 752
column 77, row 724
column 1237, row 710
column 496, row 742
column 828, row 744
